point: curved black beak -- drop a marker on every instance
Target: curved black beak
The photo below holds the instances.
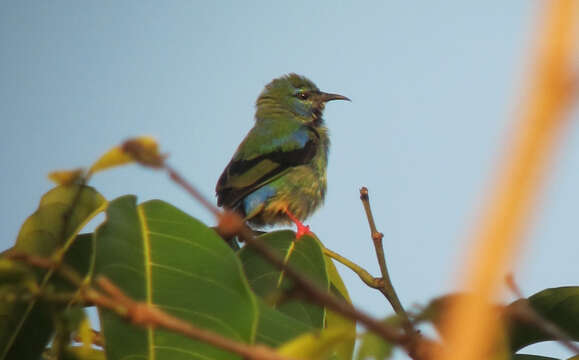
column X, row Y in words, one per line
column 329, row 97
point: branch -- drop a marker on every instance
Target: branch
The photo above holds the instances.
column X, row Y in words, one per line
column 387, row 287
column 141, row 314
column 231, row 223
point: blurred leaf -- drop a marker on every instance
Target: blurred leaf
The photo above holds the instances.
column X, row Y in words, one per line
column 373, row 347
column 346, row 348
column 304, row 255
column 14, row 274
column 54, row 225
column 66, row 177
column 139, row 149
column 80, row 353
column 26, row 327
column 317, row 345
column 436, row 308
column 161, row 256
column 531, row 357
column 558, row 305
column 67, row 322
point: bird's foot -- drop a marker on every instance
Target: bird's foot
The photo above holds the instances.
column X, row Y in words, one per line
column 301, row 228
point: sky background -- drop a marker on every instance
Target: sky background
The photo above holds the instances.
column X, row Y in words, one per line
column 433, row 86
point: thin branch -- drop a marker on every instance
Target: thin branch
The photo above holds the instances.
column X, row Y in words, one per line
column 175, row 176
column 233, row 223
column 144, row 315
column 364, row 275
column 387, row 288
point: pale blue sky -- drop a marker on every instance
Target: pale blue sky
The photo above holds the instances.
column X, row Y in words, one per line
column 433, row 88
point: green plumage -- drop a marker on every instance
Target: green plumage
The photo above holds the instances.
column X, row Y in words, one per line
column 280, row 166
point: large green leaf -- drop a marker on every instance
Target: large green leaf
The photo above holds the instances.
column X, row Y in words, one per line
column 558, row 305
column 304, row 255
column 25, row 328
column 161, row 256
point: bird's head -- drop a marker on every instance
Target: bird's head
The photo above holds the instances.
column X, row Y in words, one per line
column 297, row 95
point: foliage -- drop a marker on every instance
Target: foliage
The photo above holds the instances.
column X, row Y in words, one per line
column 166, row 259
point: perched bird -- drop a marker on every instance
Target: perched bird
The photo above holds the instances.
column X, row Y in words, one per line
column 278, row 173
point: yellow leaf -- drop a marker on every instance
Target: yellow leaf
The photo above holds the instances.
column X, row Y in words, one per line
column 86, row 335
column 319, row 345
column 143, row 149
column 66, row 177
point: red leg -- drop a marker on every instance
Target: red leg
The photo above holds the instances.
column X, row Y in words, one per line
column 302, row 229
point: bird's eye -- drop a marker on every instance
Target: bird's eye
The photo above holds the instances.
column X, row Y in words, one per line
column 302, row 95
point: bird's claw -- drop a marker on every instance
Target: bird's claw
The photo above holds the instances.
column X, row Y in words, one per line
column 302, row 230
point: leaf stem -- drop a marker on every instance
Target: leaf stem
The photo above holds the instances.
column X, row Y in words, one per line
column 364, row 275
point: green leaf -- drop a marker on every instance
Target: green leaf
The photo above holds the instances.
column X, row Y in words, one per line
column 53, row 226
column 276, row 328
column 333, row 320
column 25, row 328
column 304, row 255
column 558, row 305
column 531, row 357
column 161, row 256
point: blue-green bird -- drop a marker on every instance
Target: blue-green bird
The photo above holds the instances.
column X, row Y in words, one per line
column 278, row 173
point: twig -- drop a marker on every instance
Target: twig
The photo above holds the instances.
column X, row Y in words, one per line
column 175, row 176
column 234, row 224
column 525, row 312
column 387, row 287
column 512, row 285
column 364, row 275
column 142, row 314
column 230, row 223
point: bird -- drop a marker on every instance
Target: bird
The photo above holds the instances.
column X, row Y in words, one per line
column 277, row 175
